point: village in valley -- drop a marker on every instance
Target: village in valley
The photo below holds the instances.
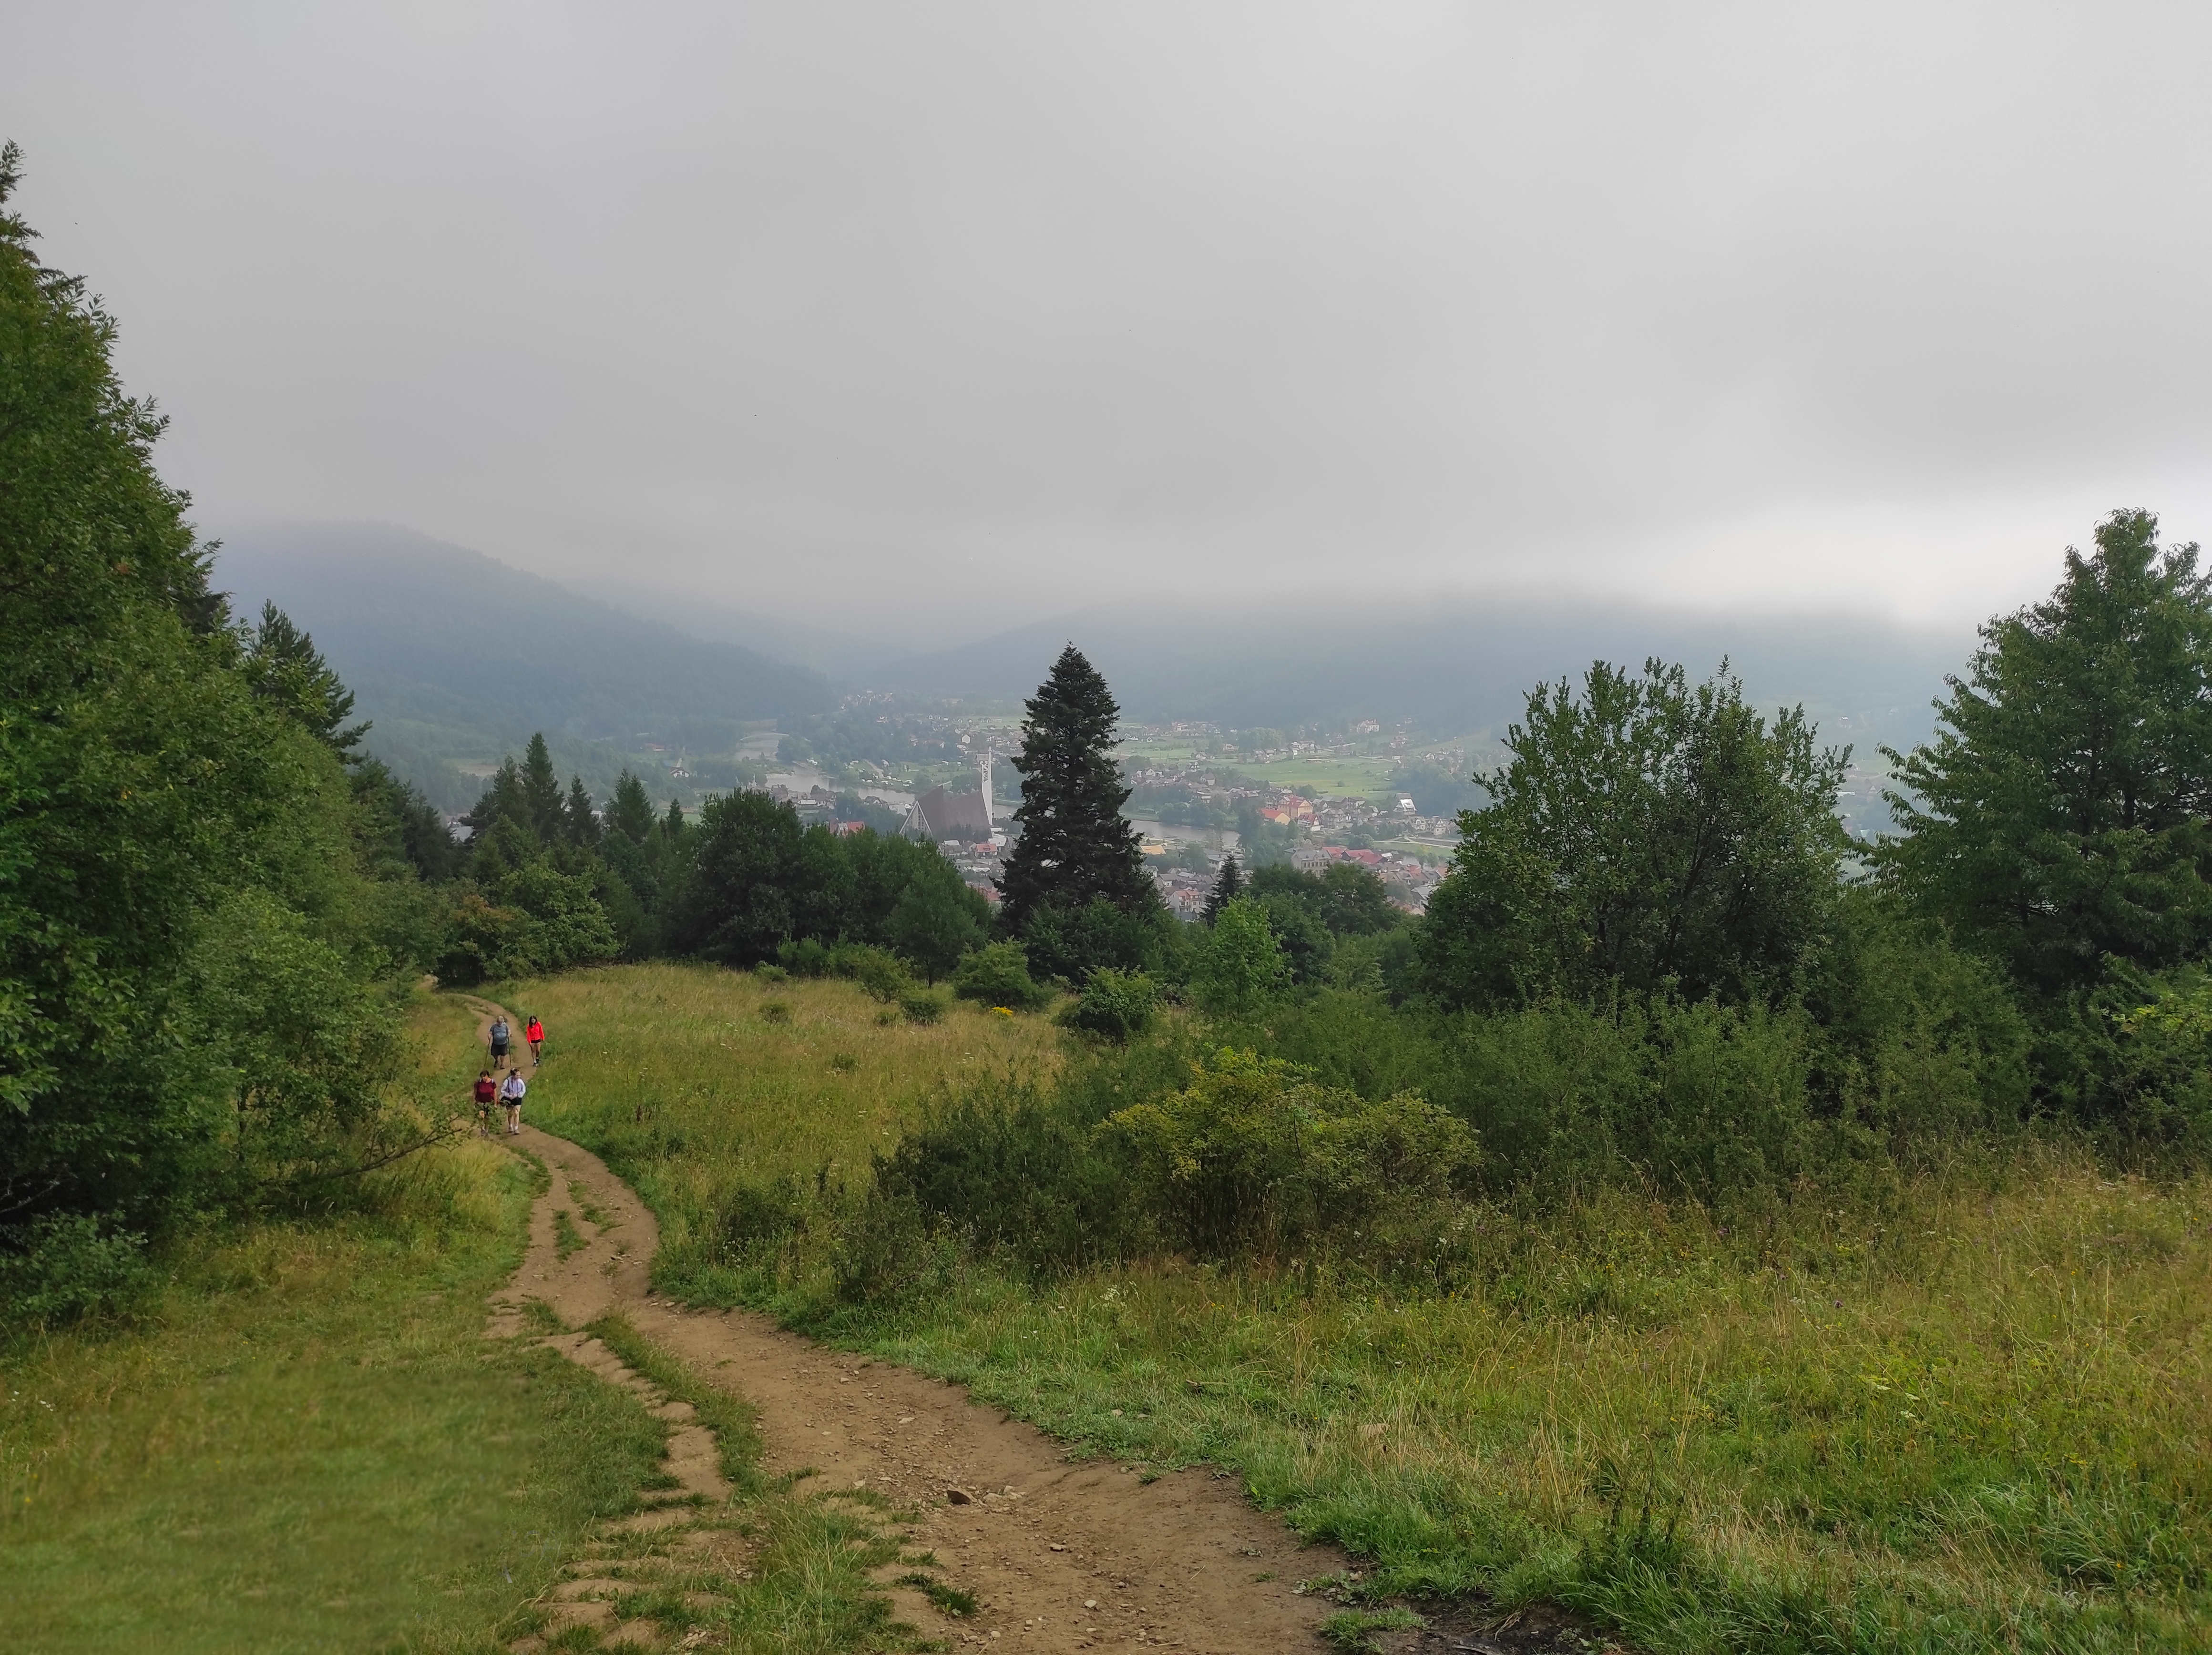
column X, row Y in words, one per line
column 1200, row 793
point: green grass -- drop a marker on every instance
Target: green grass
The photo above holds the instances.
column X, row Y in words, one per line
column 307, row 1444
column 812, row 1587
column 732, row 1420
column 1973, row 1413
column 1335, row 778
column 689, row 1077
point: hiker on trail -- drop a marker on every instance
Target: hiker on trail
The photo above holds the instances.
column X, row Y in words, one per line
column 535, row 1034
column 511, row 1090
column 499, row 1037
column 487, row 1094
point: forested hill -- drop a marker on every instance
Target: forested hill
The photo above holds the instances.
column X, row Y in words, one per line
column 458, row 658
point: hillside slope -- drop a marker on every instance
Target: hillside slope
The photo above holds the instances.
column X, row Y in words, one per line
column 458, row 658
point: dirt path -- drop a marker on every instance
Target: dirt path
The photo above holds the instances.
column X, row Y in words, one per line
column 1062, row 1556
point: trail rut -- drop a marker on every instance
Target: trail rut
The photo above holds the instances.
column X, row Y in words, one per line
column 1062, row 1554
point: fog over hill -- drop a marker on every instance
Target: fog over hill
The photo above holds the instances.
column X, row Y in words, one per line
column 458, row 658
column 1453, row 666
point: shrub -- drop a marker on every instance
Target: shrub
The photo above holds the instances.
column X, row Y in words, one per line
column 1018, row 1170
column 775, row 1011
column 65, row 1265
column 921, row 1005
column 1072, row 943
column 1255, row 1152
column 999, row 975
column 1113, row 1005
column 754, row 1217
column 803, row 957
column 771, row 973
column 883, row 975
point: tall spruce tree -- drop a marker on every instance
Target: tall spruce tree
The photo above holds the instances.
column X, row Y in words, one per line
column 630, row 815
column 540, row 792
column 583, row 826
column 288, row 672
column 2059, row 818
column 1228, row 886
column 1075, row 847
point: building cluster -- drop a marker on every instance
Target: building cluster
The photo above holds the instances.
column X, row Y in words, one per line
column 1409, row 880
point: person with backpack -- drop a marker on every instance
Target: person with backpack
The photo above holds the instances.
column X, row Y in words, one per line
column 534, row 1032
column 487, row 1094
column 499, row 1039
column 511, row 1090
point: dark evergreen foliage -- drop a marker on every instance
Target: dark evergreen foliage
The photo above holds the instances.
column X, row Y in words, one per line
column 1228, row 886
column 630, row 813
column 2063, row 817
column 1075, row 847
column 543, row 808
column 288, row 673
column 582, row 824
column 760, row 879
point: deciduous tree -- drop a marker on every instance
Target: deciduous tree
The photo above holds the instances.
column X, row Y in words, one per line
column 1647, row 834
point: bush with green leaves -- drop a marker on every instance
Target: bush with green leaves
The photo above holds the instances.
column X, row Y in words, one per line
column 803, row 956
column 1019, row 1170
column 755, row 879
column 1239, row 964
column 883, row 975
column 1256, row 1155
column 921, row 1005
column 1113, row 1005
column 998, row 974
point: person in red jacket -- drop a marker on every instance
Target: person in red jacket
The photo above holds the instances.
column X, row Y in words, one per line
column 486, row 1095
column 535, row 1034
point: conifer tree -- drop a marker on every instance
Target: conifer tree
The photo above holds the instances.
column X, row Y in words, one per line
column 1075, row 847
column 583, row 826
column 1228, row 886
column 288, row 672
column 503, row 800
column 630, row 814
column 541, row 791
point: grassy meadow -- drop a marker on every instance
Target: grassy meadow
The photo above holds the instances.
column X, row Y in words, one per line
column 305, row 1442
column 691, row 1078
column 1975, row 1413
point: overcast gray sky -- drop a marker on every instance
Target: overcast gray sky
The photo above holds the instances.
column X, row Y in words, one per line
column 936, row 317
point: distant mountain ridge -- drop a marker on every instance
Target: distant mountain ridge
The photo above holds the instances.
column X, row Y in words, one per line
column 1453, row 667
column 458, row 658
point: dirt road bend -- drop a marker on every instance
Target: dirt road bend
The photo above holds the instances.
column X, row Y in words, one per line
column 1062, row 1556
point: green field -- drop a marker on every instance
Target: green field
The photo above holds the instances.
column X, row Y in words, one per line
column 1338, row 778
column 1974, row 1412
column 307, row 1442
